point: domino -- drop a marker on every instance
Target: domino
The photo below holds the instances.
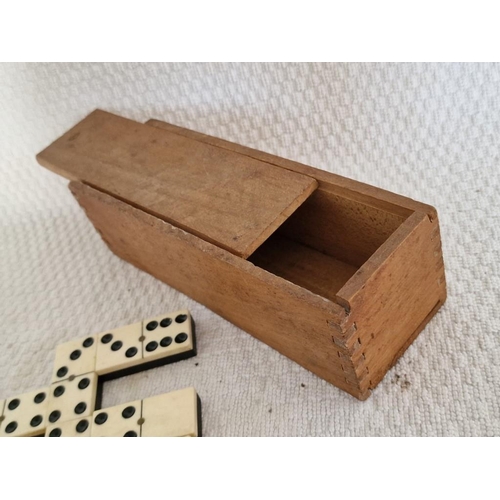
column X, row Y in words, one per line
column 119, row 421
column 175, row 414
column 80, row 427
column 141, row 346
column 25, row 415
column 118, row 351
column 75, row 358
column 73, row 398
column 169, row 337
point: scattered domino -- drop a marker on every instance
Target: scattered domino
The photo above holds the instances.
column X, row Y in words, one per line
column 75, row 358
column 155, row 342
column 73, row 398
column 25, row 415
column 175, row 414
column 70, row 406
column 80, row 427
column 123, row 420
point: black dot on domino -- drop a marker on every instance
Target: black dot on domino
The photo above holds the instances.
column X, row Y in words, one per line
column 39, row 398
column 14, row 404
column 165, row 322
column 181, row 318
column 131, row 352
column 54, row 416
column 130, row 434
column 62, row 372
column 106, row 339
column 36, row 421
column 101, row 418
column 165, row 341
column 180, row 338
column 59, row 391
column 151, row 346
column 151, row 325
column 88, row 342
column 80, row 408
column 55, row 433
column 128, row 412
column 75, row 355
column 84, row 383
column 82, row 426
column 11, row 427
column 116, row 346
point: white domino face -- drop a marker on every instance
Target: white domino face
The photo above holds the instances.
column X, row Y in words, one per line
column 72, row 398
column 119, row 349
column 25, row 415
column 174, row 414
column 75, row 358
column 80, row 427
column 118, row 421
column 167, row 335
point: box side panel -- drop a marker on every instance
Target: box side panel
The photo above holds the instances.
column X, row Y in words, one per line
column 404, row 287
column 295, row 322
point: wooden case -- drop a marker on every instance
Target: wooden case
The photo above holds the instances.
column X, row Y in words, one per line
column 336, row 275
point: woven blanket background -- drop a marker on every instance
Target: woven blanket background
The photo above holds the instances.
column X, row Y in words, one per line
column 431, row 132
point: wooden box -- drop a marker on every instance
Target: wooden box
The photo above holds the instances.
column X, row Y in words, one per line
column 337, row 275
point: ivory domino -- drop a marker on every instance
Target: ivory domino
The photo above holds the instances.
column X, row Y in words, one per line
column 154, row 342
column 175, row 414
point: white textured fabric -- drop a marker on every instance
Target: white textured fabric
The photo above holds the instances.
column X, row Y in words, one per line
column 431, row 132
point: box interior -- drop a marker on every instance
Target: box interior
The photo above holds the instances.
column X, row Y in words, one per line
column 326, row 241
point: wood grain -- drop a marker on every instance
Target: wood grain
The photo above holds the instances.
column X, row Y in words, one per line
column 224, row 197
column 289, row 318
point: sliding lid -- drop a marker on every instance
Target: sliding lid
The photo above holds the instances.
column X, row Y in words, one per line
column 229, row 199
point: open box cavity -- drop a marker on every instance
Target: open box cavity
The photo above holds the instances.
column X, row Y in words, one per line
column 325, row 241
